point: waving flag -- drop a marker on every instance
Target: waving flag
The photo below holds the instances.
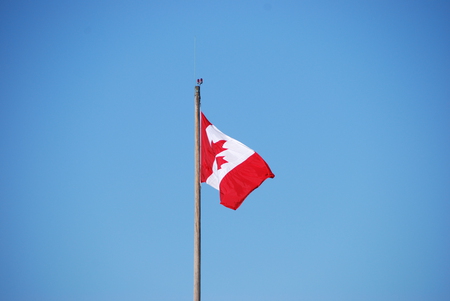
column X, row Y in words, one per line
column 230, row 166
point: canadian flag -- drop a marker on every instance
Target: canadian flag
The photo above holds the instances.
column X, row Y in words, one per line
column 230, row 166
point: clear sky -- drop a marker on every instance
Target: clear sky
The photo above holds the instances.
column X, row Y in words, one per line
column 347, row 101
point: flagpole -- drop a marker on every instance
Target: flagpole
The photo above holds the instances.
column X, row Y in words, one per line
column 197, row 228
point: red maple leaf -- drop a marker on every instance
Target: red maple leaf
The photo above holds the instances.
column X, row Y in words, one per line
column 220, row 160
column 218, row 148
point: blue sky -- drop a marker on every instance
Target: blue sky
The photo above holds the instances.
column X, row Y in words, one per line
column 347, row 101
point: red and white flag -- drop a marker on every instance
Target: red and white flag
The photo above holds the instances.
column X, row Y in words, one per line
column 230, row 166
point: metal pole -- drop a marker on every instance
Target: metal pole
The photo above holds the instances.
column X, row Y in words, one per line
column 197, row 228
